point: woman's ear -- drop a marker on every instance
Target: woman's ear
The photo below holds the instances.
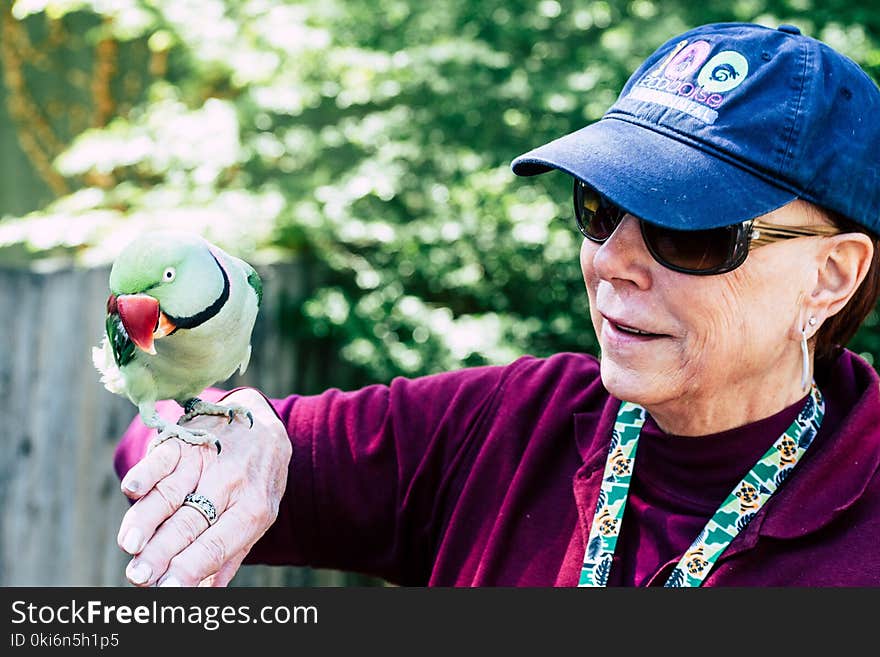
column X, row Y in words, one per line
column 843, row 264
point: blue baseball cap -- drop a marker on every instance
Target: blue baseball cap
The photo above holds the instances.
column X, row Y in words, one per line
column 727, row 122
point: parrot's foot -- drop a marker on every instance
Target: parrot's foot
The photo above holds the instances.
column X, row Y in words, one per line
column 195, row 407
column 190, row 436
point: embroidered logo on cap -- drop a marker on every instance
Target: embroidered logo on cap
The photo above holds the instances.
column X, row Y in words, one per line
column 723, row 72
column 672, row 83
column 687, row 60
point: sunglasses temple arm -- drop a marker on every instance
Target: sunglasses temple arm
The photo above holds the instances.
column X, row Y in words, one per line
column 766, row 234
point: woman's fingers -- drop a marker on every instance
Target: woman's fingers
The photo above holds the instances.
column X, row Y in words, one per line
column 140, row 522
column 156, row 464
column 227, row 571
column 167, row 474
column 183, row 526
column 232, row 535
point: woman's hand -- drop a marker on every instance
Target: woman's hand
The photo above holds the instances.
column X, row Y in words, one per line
column 173, row 544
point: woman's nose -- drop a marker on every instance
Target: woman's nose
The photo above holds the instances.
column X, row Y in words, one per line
column 624, row 256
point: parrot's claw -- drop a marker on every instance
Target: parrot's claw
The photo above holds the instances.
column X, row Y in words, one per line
column 233, row 412
column 196, row 407
column 189, row 436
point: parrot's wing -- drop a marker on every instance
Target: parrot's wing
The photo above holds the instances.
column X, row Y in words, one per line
column 256, row 284
column 253, row 279
column 105, row 363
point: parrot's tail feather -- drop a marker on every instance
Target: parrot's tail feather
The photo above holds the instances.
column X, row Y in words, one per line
column 242, row 368
column 111, row 377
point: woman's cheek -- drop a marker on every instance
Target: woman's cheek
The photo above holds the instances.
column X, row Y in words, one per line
column 586, row 258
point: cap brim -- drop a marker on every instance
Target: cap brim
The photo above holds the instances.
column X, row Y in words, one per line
column 657, row 177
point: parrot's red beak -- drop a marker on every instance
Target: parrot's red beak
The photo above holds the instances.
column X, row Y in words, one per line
column 140, row 317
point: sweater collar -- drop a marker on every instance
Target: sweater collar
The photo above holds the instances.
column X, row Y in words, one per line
column 836, row 470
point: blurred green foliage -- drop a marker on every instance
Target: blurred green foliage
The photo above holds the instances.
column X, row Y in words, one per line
column 374, row 139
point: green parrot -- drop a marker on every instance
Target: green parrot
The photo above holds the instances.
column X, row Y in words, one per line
column 179, row 319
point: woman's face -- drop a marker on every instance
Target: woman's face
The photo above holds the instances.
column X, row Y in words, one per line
column 730, row 333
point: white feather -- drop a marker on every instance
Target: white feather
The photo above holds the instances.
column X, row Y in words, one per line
column 111, row 377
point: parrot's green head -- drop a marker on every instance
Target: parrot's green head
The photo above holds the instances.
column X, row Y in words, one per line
column 164, row 281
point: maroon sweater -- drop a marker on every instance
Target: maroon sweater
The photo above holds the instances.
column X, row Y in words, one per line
column 489, row 476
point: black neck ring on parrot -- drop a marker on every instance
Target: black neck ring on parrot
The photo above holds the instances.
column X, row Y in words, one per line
column 201, row 317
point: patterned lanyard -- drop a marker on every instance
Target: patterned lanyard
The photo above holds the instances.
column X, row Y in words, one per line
column 747, row 497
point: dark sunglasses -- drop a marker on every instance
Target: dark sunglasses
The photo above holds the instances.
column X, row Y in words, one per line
column 700, row 252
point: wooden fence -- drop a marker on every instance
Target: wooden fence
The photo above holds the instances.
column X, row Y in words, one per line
column 59, row 495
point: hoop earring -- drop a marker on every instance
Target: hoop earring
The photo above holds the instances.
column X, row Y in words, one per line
column 806, row 354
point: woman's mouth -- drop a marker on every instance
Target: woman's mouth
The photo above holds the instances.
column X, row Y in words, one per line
column 626, row 333
column 635, row 331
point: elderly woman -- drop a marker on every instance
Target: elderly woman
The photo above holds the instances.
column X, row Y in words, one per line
column 730, row 201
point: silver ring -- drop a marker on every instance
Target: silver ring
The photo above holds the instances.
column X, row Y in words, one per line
column 203, row 505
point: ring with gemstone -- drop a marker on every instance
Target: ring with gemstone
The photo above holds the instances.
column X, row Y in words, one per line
column 203, row 505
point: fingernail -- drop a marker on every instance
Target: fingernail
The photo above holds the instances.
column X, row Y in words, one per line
column 131, row 486
column 170, row 581
column 139, row 572
column 132, row 540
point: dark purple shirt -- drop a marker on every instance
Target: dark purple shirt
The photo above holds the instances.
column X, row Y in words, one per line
column 489, row 476
column 678, row 484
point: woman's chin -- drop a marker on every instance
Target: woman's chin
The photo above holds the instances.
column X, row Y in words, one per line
column 642, row 385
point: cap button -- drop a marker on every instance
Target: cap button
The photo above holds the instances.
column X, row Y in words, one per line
column 790, row 29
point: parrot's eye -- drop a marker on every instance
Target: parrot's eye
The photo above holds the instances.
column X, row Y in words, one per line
column 169, row 275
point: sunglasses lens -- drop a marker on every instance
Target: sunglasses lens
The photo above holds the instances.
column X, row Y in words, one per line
column 710, row 251
column 597, row 217
column 697, row 251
